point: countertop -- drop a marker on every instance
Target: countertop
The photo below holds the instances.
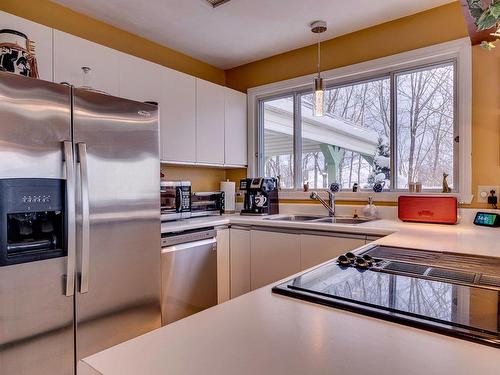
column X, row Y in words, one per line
column 263, row 333
column 377, row 227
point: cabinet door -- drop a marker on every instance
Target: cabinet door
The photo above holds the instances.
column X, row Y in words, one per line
column 240, row 261
column 139, row 79
column 315, row 250
column 178, row 117
column 223, row 267
column 39, row 34
column 274, row 256
column 235, row 128
column 72, row 53
column 210, row 100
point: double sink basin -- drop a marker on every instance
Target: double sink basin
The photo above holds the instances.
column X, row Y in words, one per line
column 321, row 219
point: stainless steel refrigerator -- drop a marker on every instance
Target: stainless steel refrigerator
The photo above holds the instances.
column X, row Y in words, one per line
column 79, row 224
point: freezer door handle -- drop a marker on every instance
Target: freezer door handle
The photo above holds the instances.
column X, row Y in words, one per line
column 85, row 241
column 71, row 217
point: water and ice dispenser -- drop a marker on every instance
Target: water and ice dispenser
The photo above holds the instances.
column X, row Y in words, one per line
column 32, row 220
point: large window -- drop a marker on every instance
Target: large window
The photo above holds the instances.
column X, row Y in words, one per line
column 394, row 129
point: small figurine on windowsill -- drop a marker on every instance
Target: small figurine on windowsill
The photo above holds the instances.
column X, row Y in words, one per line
column 446, row 188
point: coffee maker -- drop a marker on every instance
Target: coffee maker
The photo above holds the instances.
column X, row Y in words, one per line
column 261, row 196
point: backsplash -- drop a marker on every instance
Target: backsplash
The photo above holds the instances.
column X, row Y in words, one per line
column 202, row 178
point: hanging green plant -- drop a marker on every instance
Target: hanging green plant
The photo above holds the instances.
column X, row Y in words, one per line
column 486, row 17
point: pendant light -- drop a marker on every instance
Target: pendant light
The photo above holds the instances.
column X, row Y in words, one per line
column 319, row 27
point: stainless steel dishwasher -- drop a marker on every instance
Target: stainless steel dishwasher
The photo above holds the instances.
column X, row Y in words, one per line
column 188, row 273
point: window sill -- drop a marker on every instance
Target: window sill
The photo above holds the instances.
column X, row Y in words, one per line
column 362, row 196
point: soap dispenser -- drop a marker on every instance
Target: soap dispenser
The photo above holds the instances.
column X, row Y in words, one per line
column 370, row 210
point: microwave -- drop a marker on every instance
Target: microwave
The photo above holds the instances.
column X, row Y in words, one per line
column 175, row 197
column 207, row 203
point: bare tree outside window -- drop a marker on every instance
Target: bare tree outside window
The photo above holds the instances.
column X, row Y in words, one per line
column 425, row 126
column 352, row 144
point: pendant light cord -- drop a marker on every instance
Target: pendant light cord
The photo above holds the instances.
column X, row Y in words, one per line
column 319, row 56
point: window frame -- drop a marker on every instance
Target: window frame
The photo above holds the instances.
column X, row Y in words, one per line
column 456, row 52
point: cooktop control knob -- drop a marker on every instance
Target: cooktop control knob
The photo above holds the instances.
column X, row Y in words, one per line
column 350, row 256
column 343, row 260
column 362, row 263
column 369, row 259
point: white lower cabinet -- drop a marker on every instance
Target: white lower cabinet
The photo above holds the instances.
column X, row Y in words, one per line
column 274, row 255
column 239, row 240
column 223, row 266
column 261, row 257
column 316, row 249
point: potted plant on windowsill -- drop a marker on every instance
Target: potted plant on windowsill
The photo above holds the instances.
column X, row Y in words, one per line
column 486, row 16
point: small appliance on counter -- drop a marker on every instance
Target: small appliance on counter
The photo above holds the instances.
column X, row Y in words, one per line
column 261, row 196
column 207, row 203
column 175, row 200
column 428, row 209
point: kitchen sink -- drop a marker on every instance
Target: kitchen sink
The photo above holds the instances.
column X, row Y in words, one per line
column 322, row 219
column 345, row 220
column 295, row 218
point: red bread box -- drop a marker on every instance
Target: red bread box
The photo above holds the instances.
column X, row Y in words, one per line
column 428, row 209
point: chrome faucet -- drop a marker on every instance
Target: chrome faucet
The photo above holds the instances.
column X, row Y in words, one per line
column 330, row 206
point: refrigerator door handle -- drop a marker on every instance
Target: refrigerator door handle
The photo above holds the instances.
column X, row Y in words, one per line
column 85, row 241
column 71, row 217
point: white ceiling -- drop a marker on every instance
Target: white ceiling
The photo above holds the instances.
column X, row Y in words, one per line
column 242, row 31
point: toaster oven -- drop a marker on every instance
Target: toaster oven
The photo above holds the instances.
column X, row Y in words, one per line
column 207, row 203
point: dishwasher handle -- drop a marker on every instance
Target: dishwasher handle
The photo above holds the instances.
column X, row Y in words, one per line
column 190, row 245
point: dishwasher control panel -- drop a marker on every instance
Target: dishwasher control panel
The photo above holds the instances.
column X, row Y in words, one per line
column 176, row 238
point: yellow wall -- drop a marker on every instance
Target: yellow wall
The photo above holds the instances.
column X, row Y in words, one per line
column 58, row 17
column 485, row 117
column 202, row 179
column 423, row 29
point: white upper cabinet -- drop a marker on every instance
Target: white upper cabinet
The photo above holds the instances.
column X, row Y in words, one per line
column 210, row 100
column 40, row 35
column 72, row 53
column 178, row 117
column 139, row 79
column 235, row 128
column 175, row 94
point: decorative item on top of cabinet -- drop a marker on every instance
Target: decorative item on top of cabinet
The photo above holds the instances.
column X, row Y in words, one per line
column 36, row 33
column 17, row 53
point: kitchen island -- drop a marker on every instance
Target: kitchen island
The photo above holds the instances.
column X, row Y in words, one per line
column 263, row 333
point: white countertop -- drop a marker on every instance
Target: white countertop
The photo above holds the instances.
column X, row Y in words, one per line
column 263, row 333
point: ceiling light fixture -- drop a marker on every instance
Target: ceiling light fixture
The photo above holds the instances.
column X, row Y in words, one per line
column 319, row 27
column 216, row 3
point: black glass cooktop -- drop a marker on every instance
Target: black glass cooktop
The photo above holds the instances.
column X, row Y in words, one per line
column 433, row 298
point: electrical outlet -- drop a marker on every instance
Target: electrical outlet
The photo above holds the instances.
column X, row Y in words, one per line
column 484, row 191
